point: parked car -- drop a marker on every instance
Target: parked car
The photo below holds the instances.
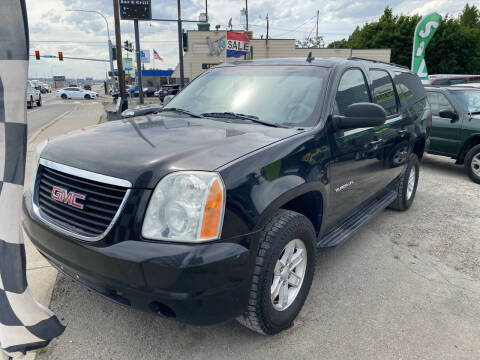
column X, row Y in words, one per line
column 167, row 90
column 33, row 95
column 147, row 92
column 87, row 87
column 214, row 208
column 142, row 110
column 46, row 88
column 76, row 93
column 456, row 126
column 447, row 80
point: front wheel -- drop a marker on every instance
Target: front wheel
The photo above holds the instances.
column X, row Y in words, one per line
column 284, row 269
column 472, row 163
column 87, row 97
column 39, row 102
column 30, row 103
column 64, row 96
column 407, row 186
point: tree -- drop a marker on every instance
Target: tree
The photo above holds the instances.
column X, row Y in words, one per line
column 455, row 48
column 312, row 43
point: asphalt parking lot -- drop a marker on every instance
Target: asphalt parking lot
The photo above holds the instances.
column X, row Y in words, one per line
column 406, row 286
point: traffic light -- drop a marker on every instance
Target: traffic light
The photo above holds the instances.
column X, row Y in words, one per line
column 60, row 55
column 185, row 41
column 114, row 53
column 37, row 54
column 125, row 45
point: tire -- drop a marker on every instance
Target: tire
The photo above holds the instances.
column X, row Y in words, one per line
column 64, row 96
column 406, row 190
column 87, row 97
column 472, row 163
column 263, row 314
column 39, row 102
column 30, row 103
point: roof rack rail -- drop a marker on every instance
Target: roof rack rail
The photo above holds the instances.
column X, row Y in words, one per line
column 377, row 61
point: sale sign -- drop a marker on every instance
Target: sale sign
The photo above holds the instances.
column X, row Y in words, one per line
column 238, row 44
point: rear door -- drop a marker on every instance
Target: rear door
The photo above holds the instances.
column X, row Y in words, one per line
column 445, row 136
column 393, row 137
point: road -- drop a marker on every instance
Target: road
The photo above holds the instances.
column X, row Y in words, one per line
column 405, row 286
column 52, row 108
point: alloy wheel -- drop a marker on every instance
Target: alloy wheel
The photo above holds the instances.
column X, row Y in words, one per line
column 476, row 164
column 288, row 274
column 411, row 182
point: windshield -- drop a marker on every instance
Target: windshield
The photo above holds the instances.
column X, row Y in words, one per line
column 468, row 99
column 283, row 95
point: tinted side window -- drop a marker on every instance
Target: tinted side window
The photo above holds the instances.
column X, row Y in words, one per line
column 383, row 91
column 351, row 89
column 409, row 88
column 438, row 102
column 433, row 100
column 458, row 81
column 475, row 80
column 441, row 82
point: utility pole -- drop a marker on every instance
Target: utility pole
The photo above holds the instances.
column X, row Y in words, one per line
column 266, row 41
column 246, row 14
column 118, row 41
column 206, row 10
column 180, row 45
column 317, row 26
column 139, row 65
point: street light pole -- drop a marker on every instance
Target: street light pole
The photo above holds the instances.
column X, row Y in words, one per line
column 110, row 47
column 180, row 46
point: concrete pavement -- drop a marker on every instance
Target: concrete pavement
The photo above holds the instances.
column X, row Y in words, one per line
column 406, row 286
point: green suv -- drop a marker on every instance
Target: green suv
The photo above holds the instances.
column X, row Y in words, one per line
column 456, row 126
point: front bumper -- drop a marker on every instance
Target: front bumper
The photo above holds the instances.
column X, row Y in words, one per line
column 199, row 284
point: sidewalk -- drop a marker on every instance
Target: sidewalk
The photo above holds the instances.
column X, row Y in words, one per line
column 40, row 275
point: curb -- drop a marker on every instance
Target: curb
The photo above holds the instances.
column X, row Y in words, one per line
column 34, row 136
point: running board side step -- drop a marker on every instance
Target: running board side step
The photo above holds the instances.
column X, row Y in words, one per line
column 352, row 223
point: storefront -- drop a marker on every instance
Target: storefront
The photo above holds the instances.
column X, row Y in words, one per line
column 207, row 49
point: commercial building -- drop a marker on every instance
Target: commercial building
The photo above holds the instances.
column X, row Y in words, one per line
column 206, row 49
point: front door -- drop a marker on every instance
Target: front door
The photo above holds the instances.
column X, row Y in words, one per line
column 445, row 136
column 355, row 152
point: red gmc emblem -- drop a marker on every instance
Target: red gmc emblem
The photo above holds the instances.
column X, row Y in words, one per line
column 67, row 197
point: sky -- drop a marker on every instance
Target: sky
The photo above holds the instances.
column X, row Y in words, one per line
column 80, row 34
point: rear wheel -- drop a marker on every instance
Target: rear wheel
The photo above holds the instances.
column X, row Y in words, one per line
column 64, row 96
column 284, row 269
column 30, row 103
column 407, row 186
column 472, row 163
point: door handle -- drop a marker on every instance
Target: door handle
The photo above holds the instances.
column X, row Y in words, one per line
column 376, row 142
column 402, row 131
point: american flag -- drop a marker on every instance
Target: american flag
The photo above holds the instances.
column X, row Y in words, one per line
column 156, row 56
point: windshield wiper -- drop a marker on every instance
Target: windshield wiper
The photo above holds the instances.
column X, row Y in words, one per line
column 186, row 112
column 252, row 118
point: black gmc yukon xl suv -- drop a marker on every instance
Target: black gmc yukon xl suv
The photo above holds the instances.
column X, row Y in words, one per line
column 213, row 208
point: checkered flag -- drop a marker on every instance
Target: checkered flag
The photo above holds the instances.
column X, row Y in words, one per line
column 24, row 323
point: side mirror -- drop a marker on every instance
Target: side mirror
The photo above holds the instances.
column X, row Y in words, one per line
column 448, row 114
column 167, row 99
column 361, row 115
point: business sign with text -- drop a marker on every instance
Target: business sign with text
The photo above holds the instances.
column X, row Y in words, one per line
column 135, row 9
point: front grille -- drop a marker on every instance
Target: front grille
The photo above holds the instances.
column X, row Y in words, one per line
column 101, row 204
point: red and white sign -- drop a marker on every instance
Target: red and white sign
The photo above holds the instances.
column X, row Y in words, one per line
column 238, row 44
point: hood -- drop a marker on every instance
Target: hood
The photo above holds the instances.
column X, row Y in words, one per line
column 142, row 150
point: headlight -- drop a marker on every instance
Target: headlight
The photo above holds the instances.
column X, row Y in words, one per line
column 34, row 164
column 186, row 206
column 128, row 113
